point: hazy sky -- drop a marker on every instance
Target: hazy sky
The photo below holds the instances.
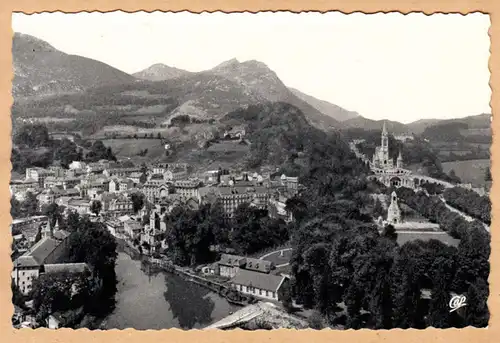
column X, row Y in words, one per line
column 389, row 66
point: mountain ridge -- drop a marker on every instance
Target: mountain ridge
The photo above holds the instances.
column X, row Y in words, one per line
column 325, row 107
column 160, row 72
column 41, row 69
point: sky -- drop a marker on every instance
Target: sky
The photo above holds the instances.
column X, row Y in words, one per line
column 383, row 66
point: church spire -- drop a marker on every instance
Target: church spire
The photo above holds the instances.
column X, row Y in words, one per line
column 47, row 230
column 399, row 161
column 384, row 129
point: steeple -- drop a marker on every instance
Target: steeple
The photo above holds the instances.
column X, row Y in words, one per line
column 399, row 161
column 384, row 129
column 47, row 230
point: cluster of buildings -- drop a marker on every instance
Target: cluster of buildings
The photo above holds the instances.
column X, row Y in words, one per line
column 47, row 255
column 163, row 187
column 250, row 276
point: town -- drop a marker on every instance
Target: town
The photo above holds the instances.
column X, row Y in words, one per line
column 259, row 171
column 136, row 204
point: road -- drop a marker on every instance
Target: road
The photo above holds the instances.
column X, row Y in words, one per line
column 464, row 215
column 276, row 259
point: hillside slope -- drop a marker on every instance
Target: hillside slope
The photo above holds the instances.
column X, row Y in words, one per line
column 475, row 122
column 334, row 111
column 259, row 79
column 393, row 127
column 40, row 69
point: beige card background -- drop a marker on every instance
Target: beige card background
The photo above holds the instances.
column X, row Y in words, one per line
column 8, row 334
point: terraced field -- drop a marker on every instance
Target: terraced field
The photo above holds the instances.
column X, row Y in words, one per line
column 468, row 171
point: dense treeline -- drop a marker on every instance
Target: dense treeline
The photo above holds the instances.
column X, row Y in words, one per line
column 89, row 242
column 446, row 132
column 98, row 97
column 191, row 234
column 35, row 148
column 469, row 202
column 357, row 277
column 26, row 208
column 435, row 210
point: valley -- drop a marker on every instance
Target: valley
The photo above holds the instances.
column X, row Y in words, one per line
column 246, row 190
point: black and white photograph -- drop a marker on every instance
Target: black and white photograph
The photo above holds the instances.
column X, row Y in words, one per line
column 250, row 171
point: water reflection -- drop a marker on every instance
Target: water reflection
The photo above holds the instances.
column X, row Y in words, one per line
column 155, row 300
column 189, row 303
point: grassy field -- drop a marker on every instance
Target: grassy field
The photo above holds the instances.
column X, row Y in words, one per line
column 444, row 237
column 132, row 147
column 468, row 171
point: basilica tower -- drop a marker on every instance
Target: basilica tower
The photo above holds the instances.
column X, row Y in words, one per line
column 384, row 148
column 399, row 161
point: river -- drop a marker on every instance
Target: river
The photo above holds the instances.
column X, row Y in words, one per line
column 161, row 301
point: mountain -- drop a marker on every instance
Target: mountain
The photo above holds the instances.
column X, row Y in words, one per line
column 334, row 111
column 474, row 124
column 160, row 72
column 260, row 80
column 393, row 127
column 420, row 125
column 41, row 69
column 281, row 135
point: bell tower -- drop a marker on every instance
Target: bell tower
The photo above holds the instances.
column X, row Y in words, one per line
column 399, row 161
column 384, row 148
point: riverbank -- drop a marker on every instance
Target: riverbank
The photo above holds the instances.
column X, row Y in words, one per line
column 164, row 265
column 223, row 290
column 155, row 299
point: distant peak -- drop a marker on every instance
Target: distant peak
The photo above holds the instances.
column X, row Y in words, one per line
column 232, row 61
column 159, row 65
column 256, row 63
column 23, row 39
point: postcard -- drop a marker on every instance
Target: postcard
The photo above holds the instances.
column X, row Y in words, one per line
column 250, row 171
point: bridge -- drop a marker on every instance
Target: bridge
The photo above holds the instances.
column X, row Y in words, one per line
column 240, row 317
column 269, row 313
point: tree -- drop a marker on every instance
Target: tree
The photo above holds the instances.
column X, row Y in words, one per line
column 72, row 222
column 390, row 232
column 95, row 207
column 487, row 174
column 15, row 208
column 66, row 152
column 29, row 207
column 297, row 207
column 32, row 136
column 98, row 151
column 477, row 313
column 53, row 212
column 378, row 209
column 18, row 297
column 138, row 201
column 316, row 321
column 53, row 292
column 287, row 299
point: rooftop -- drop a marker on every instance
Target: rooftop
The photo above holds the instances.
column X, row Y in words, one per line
column 231, row 260
column 38, row 253
column 65, row 267
column 268, row 282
